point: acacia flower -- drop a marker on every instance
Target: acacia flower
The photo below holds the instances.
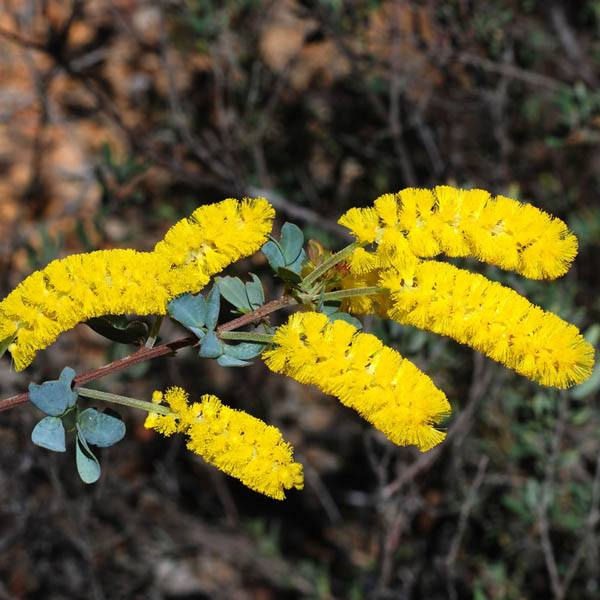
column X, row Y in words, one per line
column 234, row 441
column 492, row 319
column 446, row 220
column 376, row 381
column 79, row 287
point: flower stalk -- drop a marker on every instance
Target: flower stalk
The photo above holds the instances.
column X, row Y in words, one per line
column 327, row 264
column 123, row 400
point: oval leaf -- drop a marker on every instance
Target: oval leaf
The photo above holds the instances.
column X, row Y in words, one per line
column 296, row 266
column 230, row 361
column 211, row 346
column 254, row 292
column 245, row 350
column 100, row 429
column 49, row 433
column 213, row 306
column 292, row 240
column 189, row 310
column 274, row 254
column 54, row 397
column 88, row 466
column 234, row 291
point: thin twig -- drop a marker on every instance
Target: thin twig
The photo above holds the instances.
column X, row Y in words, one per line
column 465, row 511
column 557, row 586
column 168, row 349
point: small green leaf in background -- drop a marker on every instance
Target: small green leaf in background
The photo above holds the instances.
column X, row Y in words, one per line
column 100, row 429
column 190, row 311
column 211, row 346
column 54, row 397
column 213, row 306
column 119, row 328
column 49, row 433
column 88, row 466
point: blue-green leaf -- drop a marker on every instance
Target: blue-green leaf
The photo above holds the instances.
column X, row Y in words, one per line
column 230, row 361
column 211, row 346
column 254, row 292
column 272, row 250
column 245, row 350
column 88, row 466
column 189, row 310
column 329, row 309
column 213, row 306
column 50, row 433
column 100, row 429
column 234, row 291
column 54, row 397
column 292, row 240
column 296, row 266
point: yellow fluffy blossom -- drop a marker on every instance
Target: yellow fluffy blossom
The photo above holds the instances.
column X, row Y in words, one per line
column 235, row 442
column 383, row 387
column 492, row 319
column 79, row 287
column 456, row 222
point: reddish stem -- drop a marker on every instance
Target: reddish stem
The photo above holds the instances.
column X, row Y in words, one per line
column 170, row 348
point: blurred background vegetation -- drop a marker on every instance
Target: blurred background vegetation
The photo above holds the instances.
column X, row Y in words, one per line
column 118, row 117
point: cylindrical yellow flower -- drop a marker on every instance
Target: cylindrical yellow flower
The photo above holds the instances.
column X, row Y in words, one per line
column 79, row 287
column 492, row 319
column 235, row 442
column 455, row 222
column 384, row 388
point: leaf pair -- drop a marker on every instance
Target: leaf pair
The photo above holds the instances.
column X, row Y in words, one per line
column 196, row 313
column 246, row 297
column 287, row 255
column 201, row 315
column 59, row 401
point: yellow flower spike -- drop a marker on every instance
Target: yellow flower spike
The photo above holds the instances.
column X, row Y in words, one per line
column 493, row 319
column 79, row 287
column 233, row 441
column 384, row 388
column 497, row 230
column 362, row 222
